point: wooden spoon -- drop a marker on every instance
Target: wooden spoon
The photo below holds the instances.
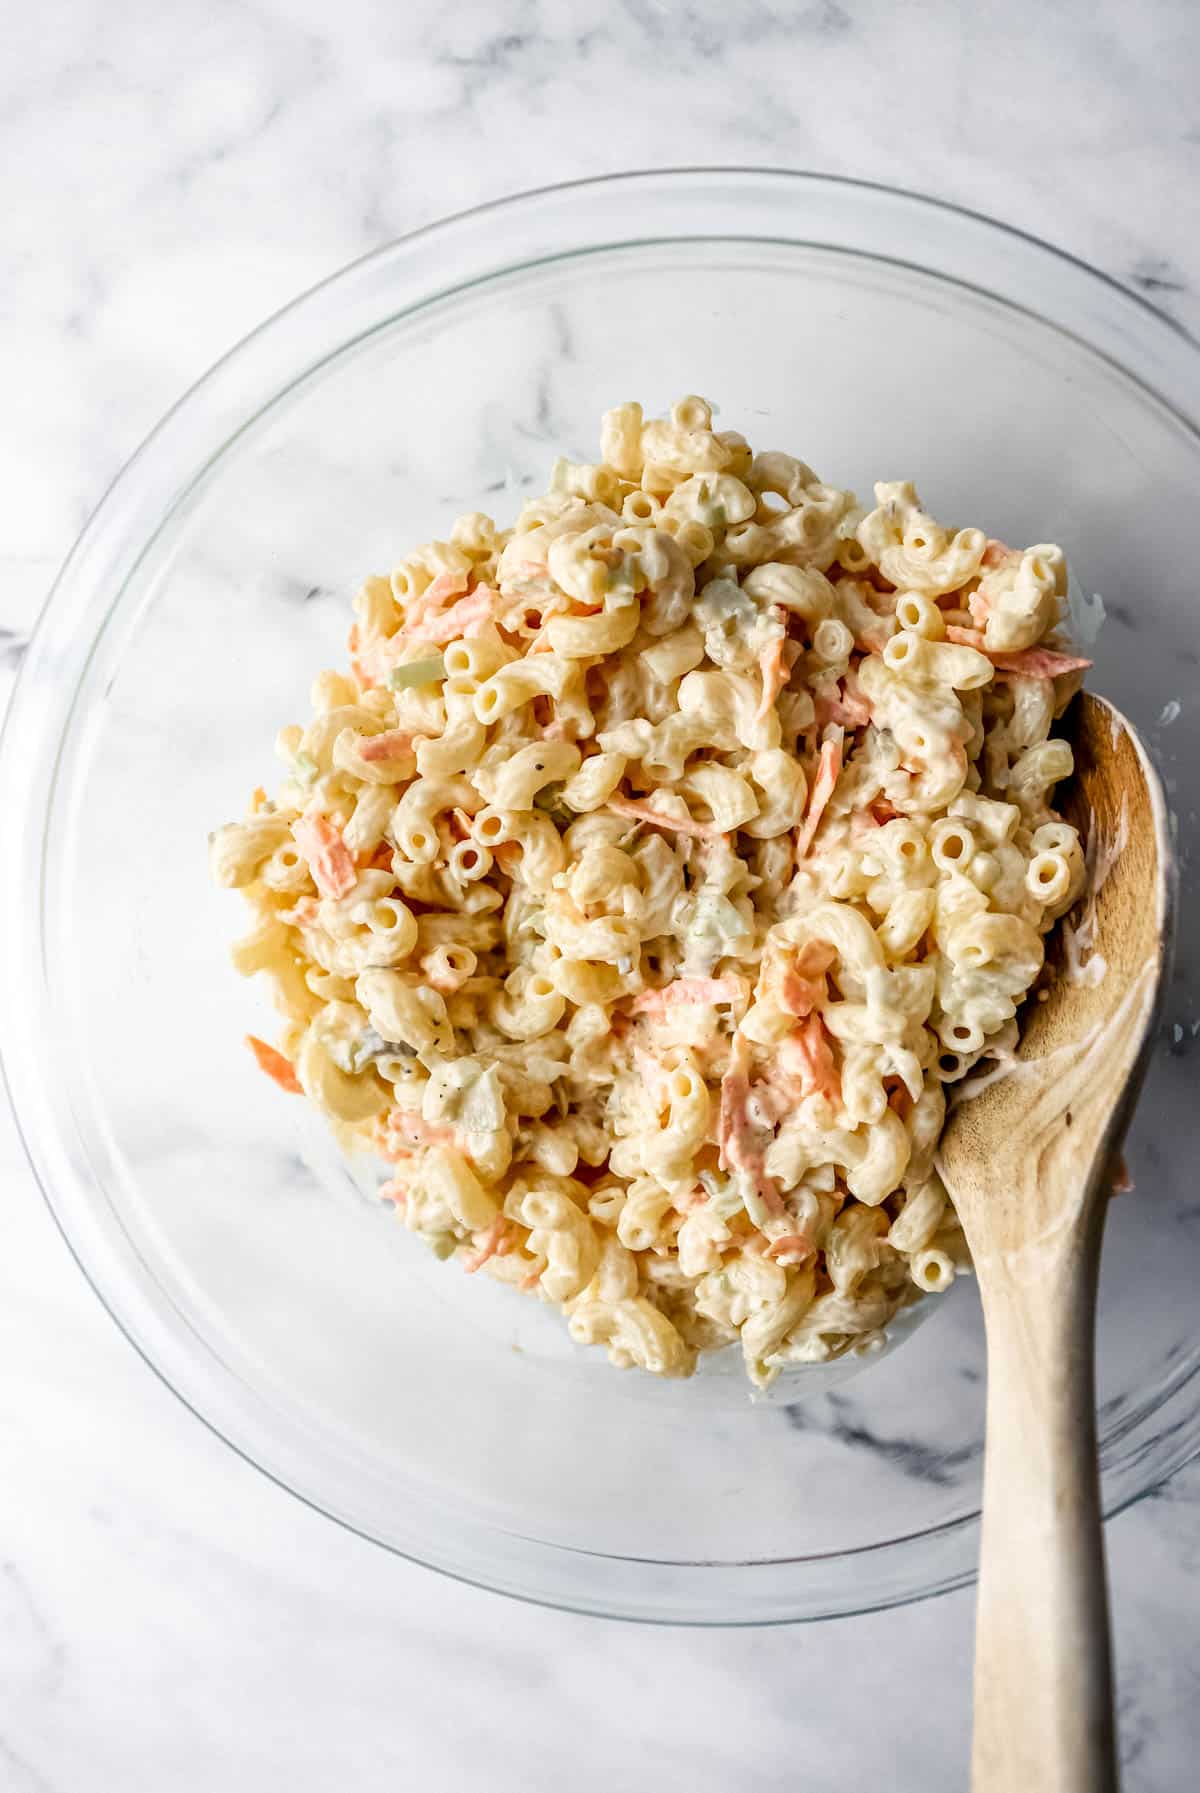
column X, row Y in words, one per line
column 1029, row 1163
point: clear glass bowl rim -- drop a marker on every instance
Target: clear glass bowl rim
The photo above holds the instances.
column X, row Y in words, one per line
column 553, row 223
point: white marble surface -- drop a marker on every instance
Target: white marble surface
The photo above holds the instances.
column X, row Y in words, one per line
column 169, row 175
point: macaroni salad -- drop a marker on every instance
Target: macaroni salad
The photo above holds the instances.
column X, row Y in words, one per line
column 650, row 873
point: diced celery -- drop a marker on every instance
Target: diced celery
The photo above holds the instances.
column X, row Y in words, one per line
column 366, row 1049
column 306, row 767
column 416, row 672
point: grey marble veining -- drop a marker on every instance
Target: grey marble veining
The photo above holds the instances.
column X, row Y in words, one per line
column 169, row 176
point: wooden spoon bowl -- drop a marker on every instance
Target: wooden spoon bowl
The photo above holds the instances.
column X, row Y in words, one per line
column 1029, row 1163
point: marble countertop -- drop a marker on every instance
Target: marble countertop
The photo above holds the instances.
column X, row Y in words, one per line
column 169, row 176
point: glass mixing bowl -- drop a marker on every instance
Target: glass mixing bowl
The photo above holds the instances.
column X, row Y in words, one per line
column 880, row 336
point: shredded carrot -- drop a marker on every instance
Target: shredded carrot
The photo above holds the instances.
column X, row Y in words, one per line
column 394, row 1191
column 690, row 989
column 1029, row 662
column 1039, row 663
column 774, row 677
column 735, row 1088
column 426, row 619
column 392, row 745
column 807, row 1051
column 996, row 552
column 497, row 1242
column 802, row 986
column 639, row 811
column 329, row 858
column 406, row 1130
column 873, row 643
column 466, row 617
column 797, row 996
column 828, row 771
column 364, row 677
column 277, row 1067
column 422, row 610
column 441, row 589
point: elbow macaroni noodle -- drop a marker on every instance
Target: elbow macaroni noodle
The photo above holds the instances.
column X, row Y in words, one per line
column 653, row 870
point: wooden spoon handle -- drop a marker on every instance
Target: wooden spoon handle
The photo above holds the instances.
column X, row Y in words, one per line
column 1043, row 1671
